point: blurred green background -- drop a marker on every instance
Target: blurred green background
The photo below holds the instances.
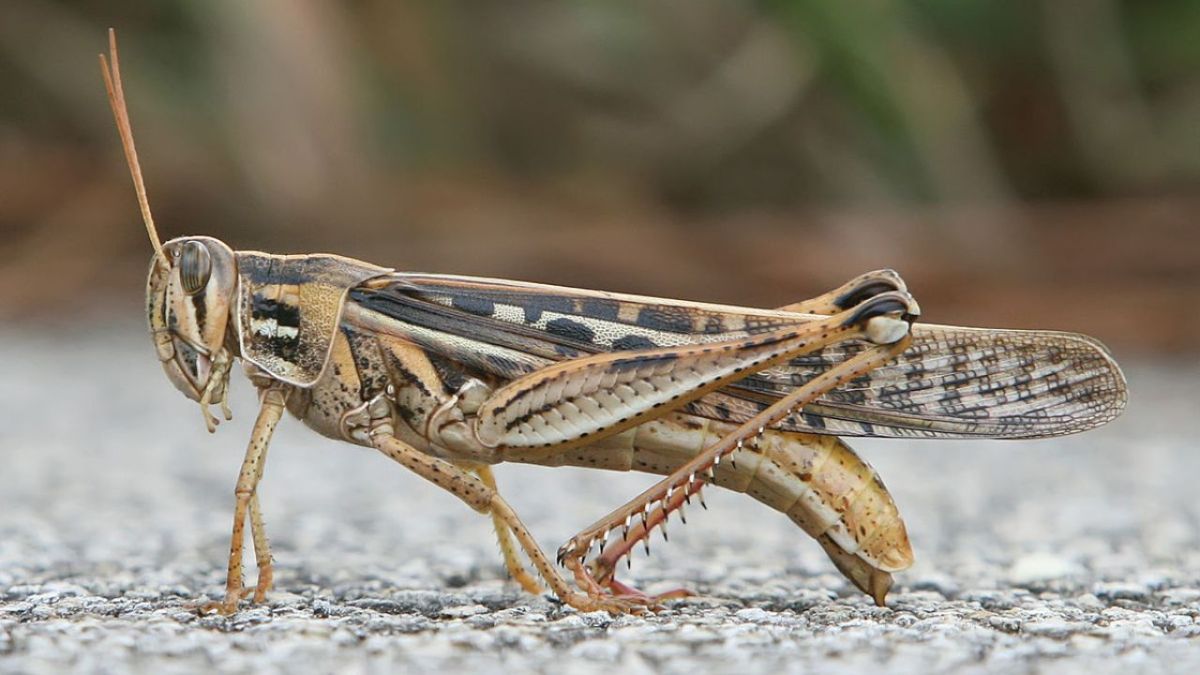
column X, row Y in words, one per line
column 1021, row 163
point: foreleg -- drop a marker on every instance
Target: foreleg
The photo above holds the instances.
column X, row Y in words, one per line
column 269, row 413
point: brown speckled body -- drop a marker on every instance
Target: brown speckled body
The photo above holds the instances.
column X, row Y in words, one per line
column 475, row 373
column 410, row 361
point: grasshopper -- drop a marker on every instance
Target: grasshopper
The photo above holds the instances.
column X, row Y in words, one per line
column 449, row 375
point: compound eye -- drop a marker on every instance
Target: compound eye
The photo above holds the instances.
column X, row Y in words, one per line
column 195, row 266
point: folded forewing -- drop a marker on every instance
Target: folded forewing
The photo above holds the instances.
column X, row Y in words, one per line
column 953, row 381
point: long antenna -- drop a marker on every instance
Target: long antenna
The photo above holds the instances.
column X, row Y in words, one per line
column 116, row 100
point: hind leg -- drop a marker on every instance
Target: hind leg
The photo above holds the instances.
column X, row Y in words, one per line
column 849, row 294
column 651, row 509
column 580, row 401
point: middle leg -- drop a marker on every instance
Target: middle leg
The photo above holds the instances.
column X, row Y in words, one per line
column 504, row 537
column 271, row 410
column 484, row 499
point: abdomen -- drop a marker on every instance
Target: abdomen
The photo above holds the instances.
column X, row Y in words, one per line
column 817, row 481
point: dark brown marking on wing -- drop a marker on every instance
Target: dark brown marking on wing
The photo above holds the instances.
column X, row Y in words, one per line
column 664, row 318
column 568, row 352
column 570, row 329
column 633, row 343
column 473, row 304
column 600, row 308
column 535, row 305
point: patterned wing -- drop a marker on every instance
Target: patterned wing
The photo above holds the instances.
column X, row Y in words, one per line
column 953, row 383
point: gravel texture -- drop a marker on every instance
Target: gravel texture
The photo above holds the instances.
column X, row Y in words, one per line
column 1071, row 555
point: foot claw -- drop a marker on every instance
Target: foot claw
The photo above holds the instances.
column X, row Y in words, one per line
column 266, row 581
column 621, row 590
column 233, row 598
column 609, row 603
column 615, row 597
column 226, row 607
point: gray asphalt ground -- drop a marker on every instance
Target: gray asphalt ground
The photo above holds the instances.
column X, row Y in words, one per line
column 1067, row 556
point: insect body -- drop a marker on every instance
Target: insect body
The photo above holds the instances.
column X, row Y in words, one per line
column 449, row 375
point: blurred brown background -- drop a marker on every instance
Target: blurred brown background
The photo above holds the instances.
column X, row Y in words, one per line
column 1020, row 163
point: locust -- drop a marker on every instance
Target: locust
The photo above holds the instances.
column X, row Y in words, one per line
column 450, row 375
